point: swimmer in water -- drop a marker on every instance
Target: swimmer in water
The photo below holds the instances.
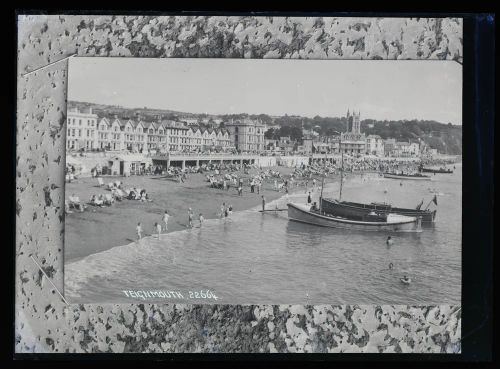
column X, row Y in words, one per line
column 405, row 279
column 391, row 265
column 389, row 241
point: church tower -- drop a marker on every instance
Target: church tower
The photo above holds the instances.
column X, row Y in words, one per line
column 353, row 122
column 356, row 126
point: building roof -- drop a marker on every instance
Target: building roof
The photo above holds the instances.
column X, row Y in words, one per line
column 167, row 123
column 83, row 112
column 245, row 122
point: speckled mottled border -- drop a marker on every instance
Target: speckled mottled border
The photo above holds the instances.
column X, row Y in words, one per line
column 44, row 324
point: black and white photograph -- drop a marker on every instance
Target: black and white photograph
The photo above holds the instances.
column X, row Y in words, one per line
column 259, row 181
column 216, row 183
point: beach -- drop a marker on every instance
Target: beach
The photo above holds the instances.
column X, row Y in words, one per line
column 265, row 258
column 101, row 228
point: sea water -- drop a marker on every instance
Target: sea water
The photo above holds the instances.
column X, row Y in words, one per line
column 264, row 258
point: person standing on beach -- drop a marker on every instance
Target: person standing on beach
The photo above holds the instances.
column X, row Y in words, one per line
column 263, row 203
column 190, row 217
column 139, row 231
column 309, row 199
column 201, row 219
column 165, row 220
column 158, row 229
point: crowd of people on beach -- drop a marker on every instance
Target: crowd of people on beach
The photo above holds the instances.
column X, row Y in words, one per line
column 116, row 193
column 159, row 229
column 223, row 176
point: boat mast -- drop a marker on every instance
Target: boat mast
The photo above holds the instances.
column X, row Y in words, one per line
column 322, row 185
column 342, row 167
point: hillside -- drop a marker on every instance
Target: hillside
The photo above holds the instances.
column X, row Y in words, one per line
column 127, row 112
column 446, row 138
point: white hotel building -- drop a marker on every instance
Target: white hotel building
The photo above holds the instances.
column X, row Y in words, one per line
column 81, row 130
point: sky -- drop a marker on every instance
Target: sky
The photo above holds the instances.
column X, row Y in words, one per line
column 380, row 89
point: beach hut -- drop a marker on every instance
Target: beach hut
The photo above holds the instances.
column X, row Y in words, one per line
column 126, row 165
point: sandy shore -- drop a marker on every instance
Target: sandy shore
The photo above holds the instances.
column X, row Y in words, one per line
column 98, row 229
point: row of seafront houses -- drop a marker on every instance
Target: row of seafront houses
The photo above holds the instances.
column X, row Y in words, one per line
column 373, row 145
column 88, row 131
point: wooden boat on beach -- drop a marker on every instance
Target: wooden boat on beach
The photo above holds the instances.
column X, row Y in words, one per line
column 416, row 176
column 389, row 222
column 357, row 211
column 439, row 171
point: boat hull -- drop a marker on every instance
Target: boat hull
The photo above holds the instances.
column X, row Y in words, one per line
column 359, row 211
column 438, row 171
column 301, row 214
column 413, row 178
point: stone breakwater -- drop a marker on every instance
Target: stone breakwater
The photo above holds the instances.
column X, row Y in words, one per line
column 45, row 324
